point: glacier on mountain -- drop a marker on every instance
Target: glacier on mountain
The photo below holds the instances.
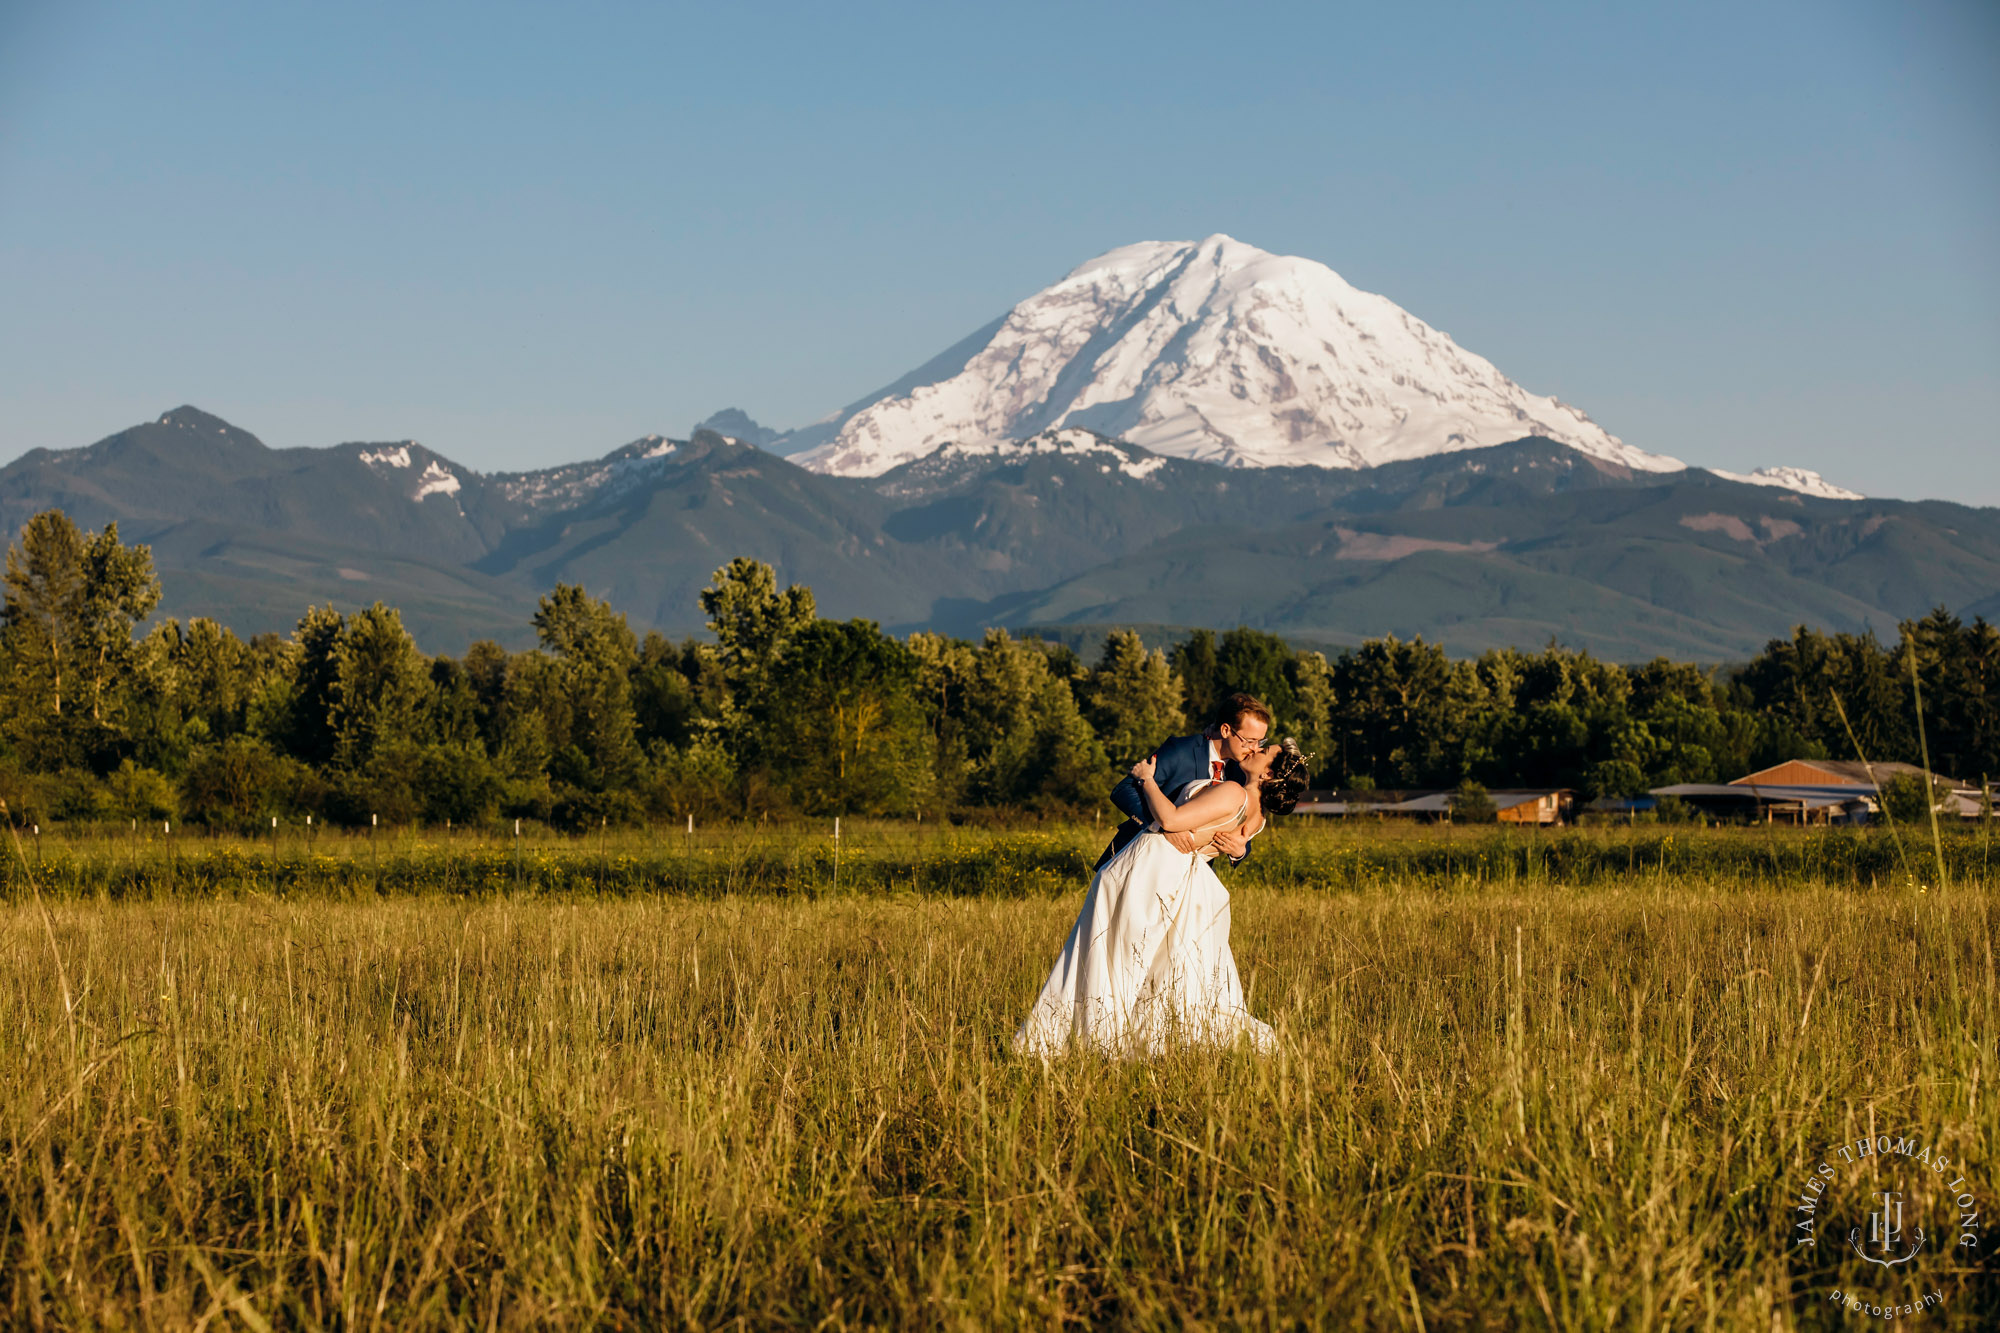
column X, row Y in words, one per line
column 1068, row 442
column 1212, row 350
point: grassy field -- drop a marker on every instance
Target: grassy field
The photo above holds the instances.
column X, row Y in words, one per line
column 805, row 860
column 652, row 1085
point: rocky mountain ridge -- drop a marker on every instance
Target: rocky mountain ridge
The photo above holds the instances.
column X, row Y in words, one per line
column 1512, row 543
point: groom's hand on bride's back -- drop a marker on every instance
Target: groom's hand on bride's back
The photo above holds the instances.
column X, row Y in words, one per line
column 1232, row 844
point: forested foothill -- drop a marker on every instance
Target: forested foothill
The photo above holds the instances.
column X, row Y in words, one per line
column 783, row 713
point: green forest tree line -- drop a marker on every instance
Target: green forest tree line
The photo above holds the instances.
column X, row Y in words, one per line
column 785, row 712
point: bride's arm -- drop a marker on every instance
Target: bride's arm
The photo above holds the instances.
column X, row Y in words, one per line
column 1204, row 807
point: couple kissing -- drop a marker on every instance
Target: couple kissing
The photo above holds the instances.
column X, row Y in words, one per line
column 1148, row 964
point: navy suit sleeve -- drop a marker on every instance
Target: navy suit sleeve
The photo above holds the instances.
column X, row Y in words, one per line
column 1129, row 799
column 1183, row 760
column 1127, row 796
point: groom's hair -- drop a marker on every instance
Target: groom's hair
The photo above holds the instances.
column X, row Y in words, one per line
column 1236, row 707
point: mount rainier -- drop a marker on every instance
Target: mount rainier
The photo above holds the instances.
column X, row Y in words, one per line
column 1215, row 351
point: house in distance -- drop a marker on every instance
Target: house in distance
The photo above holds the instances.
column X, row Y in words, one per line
column 1820, row 791
column 1534, row 806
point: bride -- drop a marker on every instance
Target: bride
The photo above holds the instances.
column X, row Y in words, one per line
column 1147, row 965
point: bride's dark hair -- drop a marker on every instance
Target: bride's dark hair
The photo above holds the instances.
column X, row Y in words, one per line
column 1287, row 779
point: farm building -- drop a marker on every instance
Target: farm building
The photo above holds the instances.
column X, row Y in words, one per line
column 1824, row 773
column 1539, row 806
column 1776, row 805
column 1817, row 791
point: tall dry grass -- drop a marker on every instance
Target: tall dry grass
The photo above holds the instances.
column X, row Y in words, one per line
column 800, row 859
column 1497, row 1103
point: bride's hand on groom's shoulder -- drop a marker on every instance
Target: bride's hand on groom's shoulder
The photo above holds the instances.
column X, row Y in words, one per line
column 1144, row 769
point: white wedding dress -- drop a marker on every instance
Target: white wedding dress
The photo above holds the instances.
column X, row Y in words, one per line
column 1147, row 965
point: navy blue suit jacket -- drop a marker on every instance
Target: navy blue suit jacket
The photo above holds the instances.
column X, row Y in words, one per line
column 1182, row 760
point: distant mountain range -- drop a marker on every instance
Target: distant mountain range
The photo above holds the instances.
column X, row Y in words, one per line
column 1513, row 543
column 1176, row 434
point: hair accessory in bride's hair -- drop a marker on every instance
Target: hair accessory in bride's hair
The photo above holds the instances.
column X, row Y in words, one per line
column 1287, row 779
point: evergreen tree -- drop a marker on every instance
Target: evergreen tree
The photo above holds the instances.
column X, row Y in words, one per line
column 1133, row 700
column 1311, row 680
column 587, row 700
column 44, row 613
column 1250, row 661
column 1958, row 667
column 945, row 680
column 380, row 682
column 1565, row 712
column 450, row 712
column 1405, row 711
column 1006, row 681
column 1029, row 742
column 1193, row 660
column 306, row 723
column 1063, row 662
column 1795, row 683
column 72, row 600
column 215, row 675
column 665, row 707
column 120, row 589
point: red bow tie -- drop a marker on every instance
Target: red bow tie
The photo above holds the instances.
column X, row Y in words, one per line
column 1216, row 764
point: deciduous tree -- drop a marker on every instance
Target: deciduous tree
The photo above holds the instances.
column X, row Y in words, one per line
column 841, row 730
column 752, row 620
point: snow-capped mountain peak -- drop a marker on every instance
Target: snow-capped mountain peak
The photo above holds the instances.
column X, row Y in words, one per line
column 1212, row 350
column 1802, row 480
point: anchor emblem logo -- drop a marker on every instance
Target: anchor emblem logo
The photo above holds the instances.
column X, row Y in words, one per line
column 1885, row 1233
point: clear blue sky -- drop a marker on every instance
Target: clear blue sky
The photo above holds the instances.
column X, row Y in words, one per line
column 1744, row 233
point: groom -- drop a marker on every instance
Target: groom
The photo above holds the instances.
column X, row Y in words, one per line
column 1241, row 725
